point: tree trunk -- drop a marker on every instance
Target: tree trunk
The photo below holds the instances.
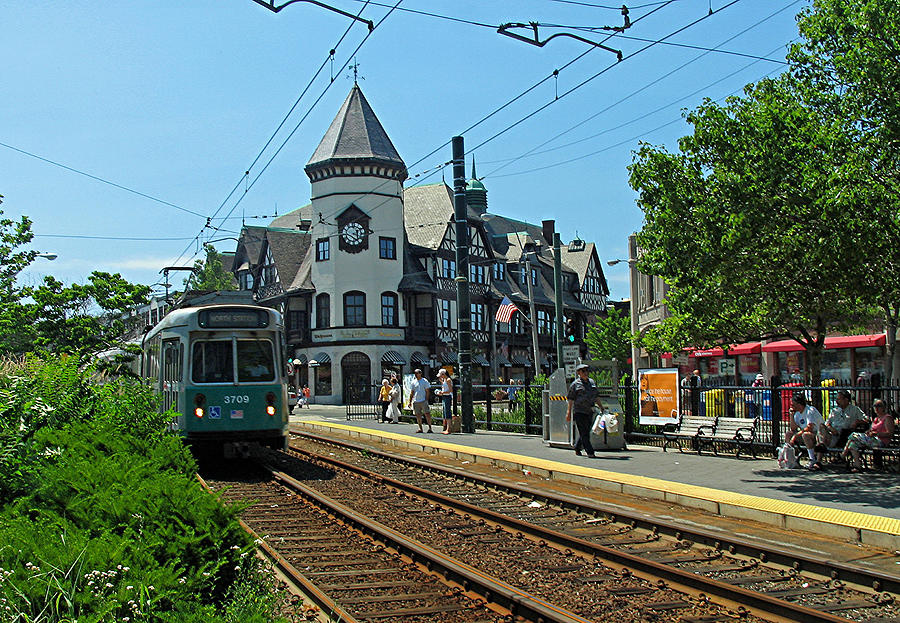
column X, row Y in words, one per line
column 891, row 317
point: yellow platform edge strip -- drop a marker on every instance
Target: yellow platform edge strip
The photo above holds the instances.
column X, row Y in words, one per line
column 799, row 510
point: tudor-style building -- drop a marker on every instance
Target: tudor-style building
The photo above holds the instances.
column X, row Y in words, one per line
column 365, row 274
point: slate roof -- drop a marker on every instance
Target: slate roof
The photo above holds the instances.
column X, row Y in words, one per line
column 579, row 261
column 427, row 212
column 288, row 250
column 292, row 219
column 356, row 134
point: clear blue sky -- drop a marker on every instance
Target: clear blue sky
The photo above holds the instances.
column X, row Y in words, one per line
column 176, row 99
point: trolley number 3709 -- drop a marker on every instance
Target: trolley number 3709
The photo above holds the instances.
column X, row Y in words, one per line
column 233, row 400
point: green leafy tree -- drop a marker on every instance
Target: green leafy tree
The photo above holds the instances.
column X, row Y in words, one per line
column 210, row 274
column 610, row 336
column 14, row 334
column 847, row 59
column 747, row 226
column 83, row 319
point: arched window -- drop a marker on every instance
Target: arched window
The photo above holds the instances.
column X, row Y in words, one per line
column 323, row 311
column 354, row 309
column 389, row 317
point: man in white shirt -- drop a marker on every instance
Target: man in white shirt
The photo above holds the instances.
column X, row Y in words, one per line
column 805, row 426
column 418, row 400
column 842, row 421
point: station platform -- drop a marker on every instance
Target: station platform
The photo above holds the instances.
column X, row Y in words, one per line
column 857, row 508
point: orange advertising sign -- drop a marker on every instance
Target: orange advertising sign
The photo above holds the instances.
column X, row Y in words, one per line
column 659, row 397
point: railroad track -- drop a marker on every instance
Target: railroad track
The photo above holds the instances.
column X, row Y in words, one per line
column 357, row 569
column 760, row 579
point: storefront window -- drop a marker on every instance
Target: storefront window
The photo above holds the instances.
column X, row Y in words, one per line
column 748, row 367
column 836, row 365
column 870, row 360
column 792, row 366
column 323, row 380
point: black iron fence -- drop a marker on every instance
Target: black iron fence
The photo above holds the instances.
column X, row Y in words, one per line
column 517, row 408
column 769, row 404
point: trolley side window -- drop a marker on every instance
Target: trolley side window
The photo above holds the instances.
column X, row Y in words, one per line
column 212, row 362
column 256, row 361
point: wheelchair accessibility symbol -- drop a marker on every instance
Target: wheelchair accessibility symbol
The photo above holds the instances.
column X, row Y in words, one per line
column 215, row 413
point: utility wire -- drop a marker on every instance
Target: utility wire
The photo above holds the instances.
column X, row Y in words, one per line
column 435, row 15
column 289, row 112
column 289, row 136
column 597, row 75
column 647, row 86
column 101, row 180
column 80, row 237
column 620, row 143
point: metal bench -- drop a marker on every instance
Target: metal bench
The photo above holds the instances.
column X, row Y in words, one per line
column 689, row 427
column 732, row 431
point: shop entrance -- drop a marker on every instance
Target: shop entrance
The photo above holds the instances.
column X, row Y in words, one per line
column 356, row 378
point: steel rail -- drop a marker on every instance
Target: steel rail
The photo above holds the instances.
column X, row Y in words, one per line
column 836, row 570
column 680, row 579
column 304, row 586
column 520, row 603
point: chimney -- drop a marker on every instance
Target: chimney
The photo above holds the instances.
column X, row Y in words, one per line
column 548, row 227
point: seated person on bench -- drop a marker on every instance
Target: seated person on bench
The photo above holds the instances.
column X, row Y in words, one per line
column 805, row 426
column 878, row 435
column 843, row 420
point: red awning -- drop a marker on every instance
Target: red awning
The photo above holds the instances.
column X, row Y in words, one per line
column 782, row 346
column 750, row 348
column 855, row 341
column 835, row 341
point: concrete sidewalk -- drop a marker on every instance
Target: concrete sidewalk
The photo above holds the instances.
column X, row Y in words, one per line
column 869, row 493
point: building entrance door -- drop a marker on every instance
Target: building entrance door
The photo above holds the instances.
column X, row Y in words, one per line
column 356, row 375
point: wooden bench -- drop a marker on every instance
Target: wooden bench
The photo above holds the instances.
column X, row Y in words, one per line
column 733, row 431
column 689, row 427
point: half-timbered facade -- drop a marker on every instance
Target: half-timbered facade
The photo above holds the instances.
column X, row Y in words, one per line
column 366, row 273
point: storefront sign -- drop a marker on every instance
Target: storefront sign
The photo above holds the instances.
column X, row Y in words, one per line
column 659, row 399
column 357, row 333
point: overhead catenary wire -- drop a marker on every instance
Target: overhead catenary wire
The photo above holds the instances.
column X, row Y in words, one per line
column 309, row 111
column 650, row 113
column 100, row 179
column 597, row 75
column 645, row 87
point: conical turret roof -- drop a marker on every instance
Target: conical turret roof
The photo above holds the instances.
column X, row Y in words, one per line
column 356, row 135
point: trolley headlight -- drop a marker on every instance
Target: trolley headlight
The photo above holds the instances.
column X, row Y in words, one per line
column 270, row 403
column 199, row 402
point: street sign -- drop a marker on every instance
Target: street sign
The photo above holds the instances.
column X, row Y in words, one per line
column 570, row 353
column 570, row 370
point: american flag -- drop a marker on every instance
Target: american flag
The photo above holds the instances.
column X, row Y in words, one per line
column 506, row 309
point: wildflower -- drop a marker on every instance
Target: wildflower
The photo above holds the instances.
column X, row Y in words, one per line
column 150, row 588
column 129, row 587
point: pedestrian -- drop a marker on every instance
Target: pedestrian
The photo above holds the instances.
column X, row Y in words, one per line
column 394, row 407
column 582, row 397
column 418, row 400
column 384, row 399
column 306, row 396
column 446, row 394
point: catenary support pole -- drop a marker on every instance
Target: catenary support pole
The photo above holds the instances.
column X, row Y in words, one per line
column 557, row 286
column 463, row 309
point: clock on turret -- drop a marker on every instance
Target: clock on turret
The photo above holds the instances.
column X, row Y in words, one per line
column 353, row 235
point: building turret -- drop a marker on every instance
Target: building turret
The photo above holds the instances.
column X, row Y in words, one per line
column 476, row 193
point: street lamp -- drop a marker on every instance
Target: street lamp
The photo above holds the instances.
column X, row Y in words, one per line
column 47, row 255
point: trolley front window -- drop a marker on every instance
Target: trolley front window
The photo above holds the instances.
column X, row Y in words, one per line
column 256, row 362
column 213, row 362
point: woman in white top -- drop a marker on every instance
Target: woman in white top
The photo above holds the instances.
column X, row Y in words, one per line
column 446, row 394
column 394, row 397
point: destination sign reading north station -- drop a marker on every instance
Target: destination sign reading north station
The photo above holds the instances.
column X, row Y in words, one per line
column 233, row 318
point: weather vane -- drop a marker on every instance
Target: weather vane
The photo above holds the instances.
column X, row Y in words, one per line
column 355, row 68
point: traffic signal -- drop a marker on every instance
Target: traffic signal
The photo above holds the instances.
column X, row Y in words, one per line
column 570, row 329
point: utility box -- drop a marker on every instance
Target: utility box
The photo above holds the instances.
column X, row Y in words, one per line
column 557, row 432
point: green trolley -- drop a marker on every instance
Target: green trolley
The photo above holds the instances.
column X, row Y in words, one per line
column 220, row 368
